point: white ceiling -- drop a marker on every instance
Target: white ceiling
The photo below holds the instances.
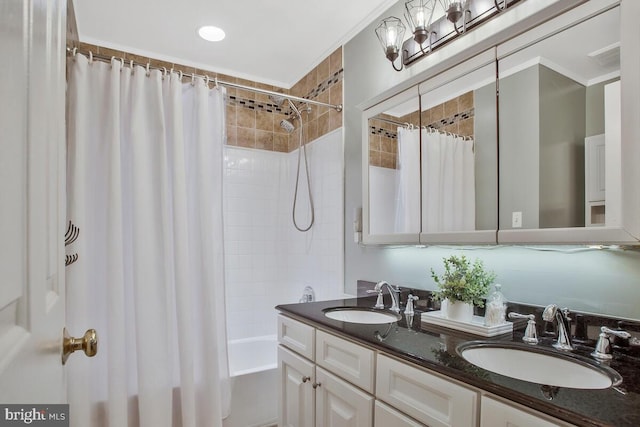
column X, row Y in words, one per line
column 275, row 42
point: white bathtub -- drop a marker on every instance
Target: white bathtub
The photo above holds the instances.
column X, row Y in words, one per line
column 255, row 354
column 254, row 377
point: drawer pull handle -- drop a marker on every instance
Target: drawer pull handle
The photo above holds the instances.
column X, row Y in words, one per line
column 316, row 385
column 305, row 379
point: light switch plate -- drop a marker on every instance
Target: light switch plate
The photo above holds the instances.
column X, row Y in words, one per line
column 516, row 219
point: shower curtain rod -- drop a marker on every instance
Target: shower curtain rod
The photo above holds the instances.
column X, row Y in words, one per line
column 148, row 66
column 431, row 128
column 393, row 122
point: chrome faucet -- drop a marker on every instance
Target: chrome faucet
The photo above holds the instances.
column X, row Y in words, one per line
column 561, row 316
column 393, row 291
column 603, row 347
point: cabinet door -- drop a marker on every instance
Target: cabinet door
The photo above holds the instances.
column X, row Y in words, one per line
column 386, row 416
column 498, row 414
column 428, row 398
column 340, row 404
column 296, row 392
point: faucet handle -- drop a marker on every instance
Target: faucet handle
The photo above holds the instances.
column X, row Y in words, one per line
column 409, row 308
column 603, row 346
column 379, row 300
column 530, row 333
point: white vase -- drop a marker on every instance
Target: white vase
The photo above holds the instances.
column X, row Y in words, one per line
column 459, row 311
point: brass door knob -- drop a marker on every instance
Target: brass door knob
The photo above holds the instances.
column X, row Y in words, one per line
column 88, row 343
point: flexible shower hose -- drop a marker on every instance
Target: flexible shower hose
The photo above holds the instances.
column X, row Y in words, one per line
column 301, row 147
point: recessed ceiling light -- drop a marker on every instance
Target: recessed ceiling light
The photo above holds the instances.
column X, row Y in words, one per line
column 211, row 33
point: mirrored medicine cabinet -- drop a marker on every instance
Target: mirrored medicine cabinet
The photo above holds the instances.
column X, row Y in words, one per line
column 391, row 170
column 451, row 161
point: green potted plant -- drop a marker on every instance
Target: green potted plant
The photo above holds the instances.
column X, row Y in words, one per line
column 463, row 286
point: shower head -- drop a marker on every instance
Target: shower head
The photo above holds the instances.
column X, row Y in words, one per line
column 277, row 99
column 287, row 125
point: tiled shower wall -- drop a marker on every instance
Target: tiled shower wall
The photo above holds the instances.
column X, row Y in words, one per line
column 253, row 119
column 267, row 261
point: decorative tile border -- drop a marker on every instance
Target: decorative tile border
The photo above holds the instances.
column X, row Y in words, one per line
column 326, row 84
column 448, row 121
column 273, row 108
column 385, row 133
column 234, row 101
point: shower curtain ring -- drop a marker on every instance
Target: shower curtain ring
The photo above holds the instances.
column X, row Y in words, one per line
column 90, row 57
column 74, row 51
column 215, row 82
column 180, row 75
column 148, row 72
column 193, row 79
column 206, row 81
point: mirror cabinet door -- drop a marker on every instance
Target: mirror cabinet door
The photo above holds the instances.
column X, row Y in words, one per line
column 459, row 154
column 391, row 187
column 559, row 130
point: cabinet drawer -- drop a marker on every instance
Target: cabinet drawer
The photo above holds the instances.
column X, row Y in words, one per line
column 498, row 414
column 296, row 336
column 348, row 360
column 426, row 397
column 386, row 416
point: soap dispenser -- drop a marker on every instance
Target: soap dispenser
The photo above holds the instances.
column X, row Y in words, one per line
column 496, row 308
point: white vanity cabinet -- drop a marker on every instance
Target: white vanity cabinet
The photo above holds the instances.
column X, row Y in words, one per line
column 326, row 380
column 495, row 413
column 313, row 389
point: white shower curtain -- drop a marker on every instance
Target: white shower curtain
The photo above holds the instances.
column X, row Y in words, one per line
column 448, row 171
column 408, row 193
column 145, row 189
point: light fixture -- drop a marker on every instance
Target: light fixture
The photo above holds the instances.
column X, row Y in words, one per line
column 456, row 10
column 419, row 15
column 390, row 32
column 436, row 30
column 211, row 33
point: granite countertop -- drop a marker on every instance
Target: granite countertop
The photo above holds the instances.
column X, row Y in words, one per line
column 434, row 347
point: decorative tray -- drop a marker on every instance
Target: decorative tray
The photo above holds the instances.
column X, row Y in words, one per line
column 476, row 326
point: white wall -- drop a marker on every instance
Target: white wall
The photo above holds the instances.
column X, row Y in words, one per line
column 267, row 261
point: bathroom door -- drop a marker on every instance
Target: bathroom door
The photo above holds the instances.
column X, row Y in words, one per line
column 32, row 208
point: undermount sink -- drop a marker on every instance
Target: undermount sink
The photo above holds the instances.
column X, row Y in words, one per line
column 361, row 315
column 539, row 365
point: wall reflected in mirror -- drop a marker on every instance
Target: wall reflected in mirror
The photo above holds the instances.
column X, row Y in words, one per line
column 553, row 128
column 394, row 170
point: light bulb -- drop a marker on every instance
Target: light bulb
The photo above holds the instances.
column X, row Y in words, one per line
column 391, row 36
column 420, row 18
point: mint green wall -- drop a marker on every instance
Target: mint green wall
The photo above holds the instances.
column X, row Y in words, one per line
column 600, row 281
